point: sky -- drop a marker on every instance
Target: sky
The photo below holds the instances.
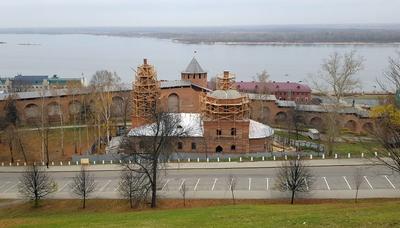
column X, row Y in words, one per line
column 81, row 13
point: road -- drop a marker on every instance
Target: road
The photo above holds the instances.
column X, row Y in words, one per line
column 259, row 183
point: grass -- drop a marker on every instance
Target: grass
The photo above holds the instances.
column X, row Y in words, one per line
column 356, row 148
column 32, row 143
column 114, row 213
column 293, row 135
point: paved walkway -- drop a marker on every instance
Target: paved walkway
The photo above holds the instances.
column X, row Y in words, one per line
column 205, row 165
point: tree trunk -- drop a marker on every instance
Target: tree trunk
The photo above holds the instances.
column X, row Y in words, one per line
column 11, row 152
column 292, row 200
column 84, row 202
column 355, row 200
column 154, row 185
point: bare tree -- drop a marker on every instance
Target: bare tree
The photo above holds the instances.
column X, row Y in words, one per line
column 35, row 184
column 231, row 181
column 183, row 190
column 149, row 147
column 358, row 179
column 337, row 76
column 331, row 126
column 132, row 186
column 263, row 77
column 83, row 185
column 295, row 177
column 9, row 138
column 391, row 80
column 104, row 83
column 213, row 83
column 387, row 133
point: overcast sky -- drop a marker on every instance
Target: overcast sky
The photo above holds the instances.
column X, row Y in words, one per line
column 76, row 13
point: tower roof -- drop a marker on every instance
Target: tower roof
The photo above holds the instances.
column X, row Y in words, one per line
column 194, row 67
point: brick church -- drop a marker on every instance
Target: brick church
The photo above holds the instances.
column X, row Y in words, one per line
column 219, row 120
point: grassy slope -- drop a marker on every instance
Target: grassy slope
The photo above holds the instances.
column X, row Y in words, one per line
column 371, row 213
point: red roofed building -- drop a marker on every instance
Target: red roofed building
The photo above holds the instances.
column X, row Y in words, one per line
column 291, row 91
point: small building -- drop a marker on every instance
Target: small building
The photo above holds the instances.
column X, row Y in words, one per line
column 291, row 91
column 30, row 83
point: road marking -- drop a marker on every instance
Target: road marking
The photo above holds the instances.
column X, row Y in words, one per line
column 116, row 188
column 215, row 181
column 4, row 184
column 64, row 186
column 326, row 182
column 197, row 183
column 390, row 182
column 267, row 183
column 105, row 186
column 164, row 185
column 305, row 181
column 180, row 187
column 348, row 185
column 11, row 187
column 249, row 184
column 368, row 182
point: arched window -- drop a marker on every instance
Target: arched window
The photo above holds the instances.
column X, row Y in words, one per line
column 233, row 147
column 173, row 103
column 233, row 131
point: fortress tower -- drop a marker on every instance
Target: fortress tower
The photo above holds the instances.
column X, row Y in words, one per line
column 145, row 94
column 195, row 74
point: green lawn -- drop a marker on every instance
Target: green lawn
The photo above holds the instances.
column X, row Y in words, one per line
column 368, row 213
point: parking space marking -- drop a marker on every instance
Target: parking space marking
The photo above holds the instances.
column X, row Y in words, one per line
column 180, row 187
column 164, row 185
column 249, row 184
column 4, row 184
column 267, row 183
column 197, row 183
column 326, row 182
column 365, row 177
column 213, row 186
column 64, row 186
column 348, row 185
column 305, row 181
column 390, row 182
column 105, row 186
column 11, row 187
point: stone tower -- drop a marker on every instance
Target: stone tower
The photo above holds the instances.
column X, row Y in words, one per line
column 145, row 94
column 195, row 74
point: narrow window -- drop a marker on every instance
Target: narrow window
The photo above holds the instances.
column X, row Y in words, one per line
column 193, row 146
column 219, row 132
column 233, row 147
column 180, row 145
column 233, row 131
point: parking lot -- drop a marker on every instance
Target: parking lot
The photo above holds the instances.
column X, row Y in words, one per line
column 240, row 183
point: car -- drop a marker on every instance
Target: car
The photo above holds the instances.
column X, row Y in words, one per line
column 313, row 134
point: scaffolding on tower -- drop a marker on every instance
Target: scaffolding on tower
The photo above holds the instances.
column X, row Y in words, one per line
column 145, row 94
column 226, row 103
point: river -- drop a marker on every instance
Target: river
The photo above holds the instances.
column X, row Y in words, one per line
column 82, row 55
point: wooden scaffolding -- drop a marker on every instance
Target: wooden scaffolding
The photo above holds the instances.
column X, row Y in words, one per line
column 226, row 81
column 225, row 103
column 145, row 94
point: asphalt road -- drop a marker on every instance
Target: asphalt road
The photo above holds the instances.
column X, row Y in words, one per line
column 328, row 182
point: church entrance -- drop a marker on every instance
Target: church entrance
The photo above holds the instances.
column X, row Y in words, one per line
column 218, row 149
